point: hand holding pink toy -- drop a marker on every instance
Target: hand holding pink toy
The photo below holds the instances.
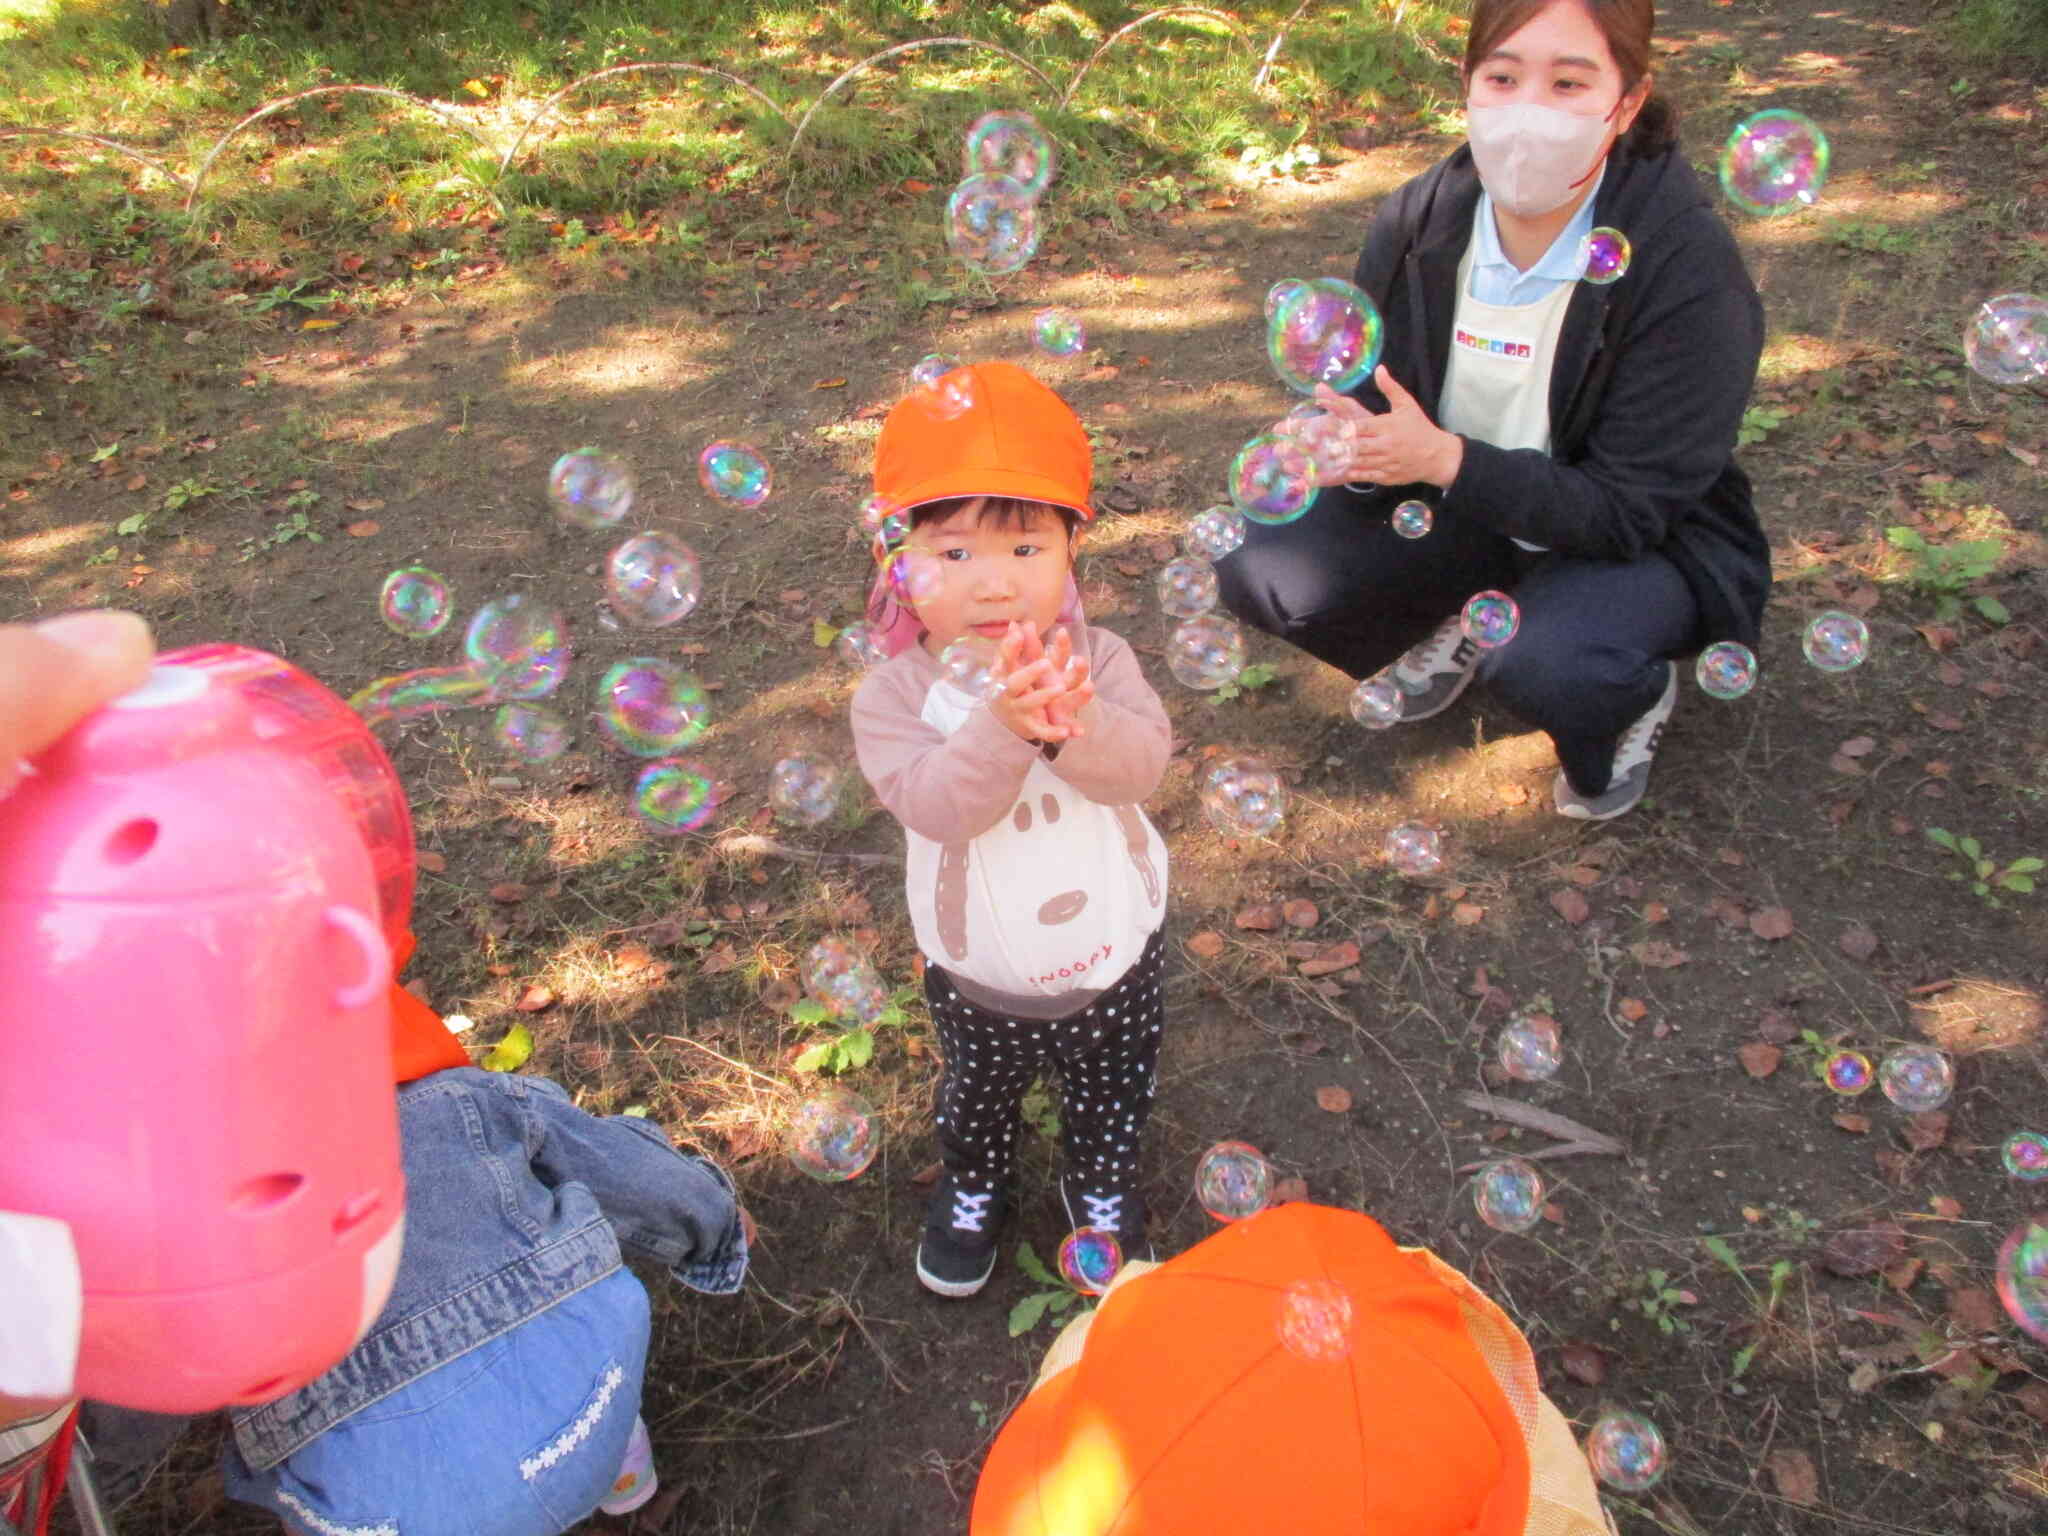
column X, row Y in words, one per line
column 54, row 674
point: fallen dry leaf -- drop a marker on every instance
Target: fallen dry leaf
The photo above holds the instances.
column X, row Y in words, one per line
column 1300, row 913
column 718, row 959
column 1207, row 943
column 1926, row 1132
column 781, row 993
column 1759, row 1058
column 1776, row 1026
column 2033, row 1397
column 1341, row 956
column 1634, row 1009
column 1947, row 1207
column 368, row 528
column 432, row 862
column 1771, row 923
column 1729, row 912
column 928, row 1175
column 1858, row 746
column 1292, row 1190
column 1855, row 1124
column 1583, row 874
column 1900, row 1276
column 1571, row 906
column 510, row 893
column 1658, row 954
column 1333, row 1098
column 535, row 999
column 1514, row 794
column 1584, row 1363
column 1976, row 1309
column 1863, row 1250
column 1656, row 912
column 1260, row 917
column 1857, row 942
column 1794, row 1475
column 1467, row 914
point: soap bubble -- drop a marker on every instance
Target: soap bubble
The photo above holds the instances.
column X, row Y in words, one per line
column 1233, row 1181
column 1531, row 1049
column 992, row 223
column 832, row 1137
column 805, row 789
column 874, row 509
column 1626, row 1451
column 735, row 472
column 1205, row 652
column 1412, row 519
column 944, row 384
column 1774, row 162
column 969, row 664
column 2026, row 1155
column 1011, row 144
column 1280, row 293
column 1414, row 849
column 1490, row 620
column 650, row 707
column 2023, row 1276
column 1376, row 701
column 1836, row 641
column 926, row 372
column 1315, row 1320
column 1089, row 1260
column 914, row 575
column 1328, row 332
column 1328, row 436
column 532, row 733
column 1917, row 1078
column 1214, row 532
column 1187, row 587
column 1847, row 1072
column 1508, row 1195
column 840, row 978
column 1272, row 479
column 1726, row 670
column 857, row 644
column 521, row 645
column 1242, row 796
column 424, row 691
column 653, row 580
column 673, row 794
column 1604, row 256
column 415, row 601
column 1058, row 332
column 2006, row 341
column 590, row 489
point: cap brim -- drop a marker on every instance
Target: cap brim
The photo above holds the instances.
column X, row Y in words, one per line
column 992, row 482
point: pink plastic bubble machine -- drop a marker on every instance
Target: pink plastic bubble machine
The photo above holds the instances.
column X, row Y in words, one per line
column 200, row 888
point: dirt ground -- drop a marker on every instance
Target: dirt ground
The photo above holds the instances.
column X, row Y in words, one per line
column 1775, row 894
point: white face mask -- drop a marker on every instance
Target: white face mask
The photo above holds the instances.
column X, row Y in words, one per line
column 1531, row 158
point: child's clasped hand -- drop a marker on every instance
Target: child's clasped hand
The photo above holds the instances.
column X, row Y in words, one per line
column 1045, row 686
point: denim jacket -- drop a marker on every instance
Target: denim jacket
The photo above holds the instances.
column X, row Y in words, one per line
column 514, row 1199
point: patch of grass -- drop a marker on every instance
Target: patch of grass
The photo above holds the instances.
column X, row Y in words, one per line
column 1948, row 571
column 2000, row 28
column 1985, row 876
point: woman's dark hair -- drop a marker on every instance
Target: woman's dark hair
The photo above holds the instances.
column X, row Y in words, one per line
column 996, row 511
column 1628, row 26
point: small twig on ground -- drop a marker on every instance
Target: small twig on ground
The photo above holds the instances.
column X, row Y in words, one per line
column 1579, row 1138
column 754, row 842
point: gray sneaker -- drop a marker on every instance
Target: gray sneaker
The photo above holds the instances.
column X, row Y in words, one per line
column 1434, row 673
column 1632, row 757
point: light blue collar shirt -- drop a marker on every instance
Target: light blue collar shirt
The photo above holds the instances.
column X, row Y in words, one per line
column 1496, row 280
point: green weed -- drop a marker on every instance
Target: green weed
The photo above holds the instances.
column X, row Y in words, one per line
column 1260, row 674
column 1949, row 570
column 1765, row 1302
column 1985, row 876
column 854, row 1045
column 1053, row 1296
column 1871, row 237
column 1659, row 1301
column 297, row 526
column 1759, row 422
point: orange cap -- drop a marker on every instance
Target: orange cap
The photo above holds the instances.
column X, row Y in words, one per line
column 1295, row 1372
column 989, row 429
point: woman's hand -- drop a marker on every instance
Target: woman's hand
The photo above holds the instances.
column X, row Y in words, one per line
column 1402, row 445
column 54, row 674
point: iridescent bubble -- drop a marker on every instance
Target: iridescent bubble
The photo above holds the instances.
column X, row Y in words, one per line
column 1089, row 1260
column 415, row 602
column 653, row 580
column 1315, row 1320
column 1917, row 1078
column 1626, row 1451
column 1774, row 162
column 1412, row 519
column 840, row 978
column 2025, row 1155
column 992, row 223
column 944, row 384
column 1058, row 332
column 2006, row 341
column 1328, row 436
column 926, row 372
column 1836, row 641
column 1414, row 849
column 1376, row 701
column 1531, row 1049
column 1243, row 796
column 1604, row 256
column 735, row 472
column 1327, row 333
column 650, row 707
column 1272, row 479
column 2023, row 1276
column 1187, row 587
column 857, row 644
column 832, row 1137
column 805, row 789
column 425, row 691
column 1233, row 1180
column 1011, row 144
column 1206, row 651
column 1214, row 532
column 1280, row 293
column 533, row 733
column 521, row 645
column 1508, row 1195
column 970, row 664
column 674, row 794
column 1847, row 1072
column 590, row 489
column 876, row 510
column 913, row 574
column 1726, row 670
column 1490, row 619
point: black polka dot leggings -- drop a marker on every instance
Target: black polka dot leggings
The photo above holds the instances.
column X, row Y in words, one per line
column 1106, row 1056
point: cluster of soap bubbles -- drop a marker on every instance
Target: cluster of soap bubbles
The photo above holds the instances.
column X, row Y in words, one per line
column 1327, row 436
column 1774, row 162
column 1242, row 796
column 992, row 215
column 1916, row 1078
column 1530, row 1048
column 1508, row 1194
column 832, row 1137
column 840, row 979
column 1233, row 1180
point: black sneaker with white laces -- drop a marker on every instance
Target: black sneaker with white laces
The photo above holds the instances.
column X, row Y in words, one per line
column 1432, row 674
column 958, row 1251
column 1102, row 1202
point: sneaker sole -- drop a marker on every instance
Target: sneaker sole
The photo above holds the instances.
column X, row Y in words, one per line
column 1570, row 805
column 1410, row 716
column 953, row 1288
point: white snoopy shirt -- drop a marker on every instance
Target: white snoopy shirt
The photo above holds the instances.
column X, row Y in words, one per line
column 1033, row 877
